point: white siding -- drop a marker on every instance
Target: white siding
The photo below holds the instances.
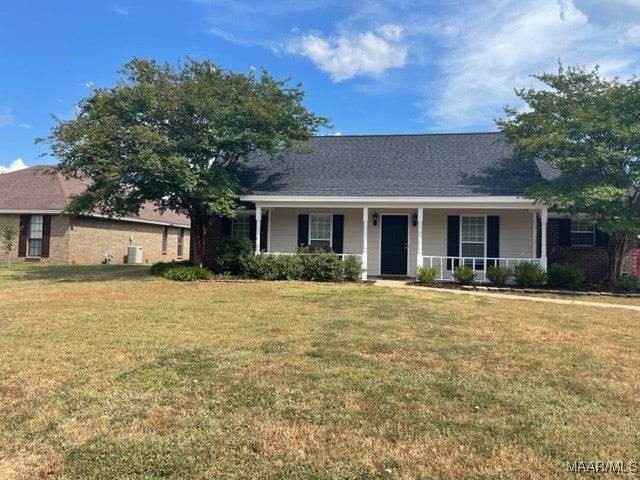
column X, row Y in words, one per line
column 284, row 228
column 515, row 232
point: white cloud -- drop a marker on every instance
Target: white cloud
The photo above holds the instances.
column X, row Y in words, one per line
column 120, row 10
column 17, row 164
column 368, row 53
column 6, row 117
column 496, row 47
column 25, row 126
column 462, row 59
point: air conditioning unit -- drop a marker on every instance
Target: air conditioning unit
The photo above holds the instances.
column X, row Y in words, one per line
column 134, row 255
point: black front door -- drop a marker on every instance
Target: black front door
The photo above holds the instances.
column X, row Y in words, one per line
column 393, row 245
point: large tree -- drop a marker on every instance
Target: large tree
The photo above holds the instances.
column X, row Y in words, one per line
column 588, row 128
column 176, row 136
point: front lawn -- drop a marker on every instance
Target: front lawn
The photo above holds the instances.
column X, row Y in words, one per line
column 107, row 372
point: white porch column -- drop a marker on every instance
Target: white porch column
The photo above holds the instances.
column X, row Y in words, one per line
column 365, row 234
column 534, row 234
column 543, row 235
column 269, row 229
column 258, row 225
column 419, row 254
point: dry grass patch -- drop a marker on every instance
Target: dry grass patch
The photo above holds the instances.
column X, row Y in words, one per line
column 115, row 374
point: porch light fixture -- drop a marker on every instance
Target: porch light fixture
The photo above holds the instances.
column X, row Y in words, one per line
column 375, row 218
column 414, row 217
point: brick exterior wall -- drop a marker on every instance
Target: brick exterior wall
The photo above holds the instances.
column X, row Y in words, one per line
column 85, row 240
column 59, row 243
column 593, row 260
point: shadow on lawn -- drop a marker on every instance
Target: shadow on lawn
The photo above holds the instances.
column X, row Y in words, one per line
column 75, row 273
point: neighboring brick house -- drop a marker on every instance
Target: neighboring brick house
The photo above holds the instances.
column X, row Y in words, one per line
column 402, row 201
column 36, row 199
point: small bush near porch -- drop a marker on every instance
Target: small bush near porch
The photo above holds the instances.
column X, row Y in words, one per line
column 108, row 372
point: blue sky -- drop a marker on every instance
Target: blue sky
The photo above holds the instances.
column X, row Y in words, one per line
column 397, row 66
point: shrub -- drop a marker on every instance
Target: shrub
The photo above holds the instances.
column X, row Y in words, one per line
column 565, row 275
column 427, row 276
column 187, row 273
column 464, row 274
column 628, row 283
column 161, row 268
column 321, row 267
column 529, row 274
column 272, row 267
column 230, row 254
column 351, row 268
column 499, row 276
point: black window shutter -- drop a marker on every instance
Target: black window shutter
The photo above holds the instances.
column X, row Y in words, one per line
column 453, row 238
column 493, row 236
column 264, row 231
column 303, row 230
column 338, row 234
column 46, row 235
column 225, row 227
column 24, row 232
column 602, row 239
column 564, row 232
column 252, row 229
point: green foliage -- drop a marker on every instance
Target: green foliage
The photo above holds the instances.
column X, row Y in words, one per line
column 177, row 137
column 272, row 267
column 427, row 275
column 8, row 236
column 627, row 283
column 231, row 252
column 499, row 276
column 529, row 274
column 464, row 274
column 585, row 126
column 351, row 268
column 187, row 273
column 160, row 268
column 321, row 266
column 318, row 266
column 565, row 275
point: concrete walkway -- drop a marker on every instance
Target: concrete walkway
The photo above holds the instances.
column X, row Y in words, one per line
column 528, row 298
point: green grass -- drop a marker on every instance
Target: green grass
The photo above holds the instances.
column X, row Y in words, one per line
column 107, row 372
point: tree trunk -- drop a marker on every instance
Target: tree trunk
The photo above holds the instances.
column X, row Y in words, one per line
column 616, row 249
column 199, row 229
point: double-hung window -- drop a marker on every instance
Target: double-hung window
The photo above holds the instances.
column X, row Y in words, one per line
column 165, row 239
column 583, row 233
column 241, row 226
column 180, row 249
column 472, row 240
column 36, row 224
column 320, row 231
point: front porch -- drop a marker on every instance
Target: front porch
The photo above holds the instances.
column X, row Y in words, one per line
column 394, row 237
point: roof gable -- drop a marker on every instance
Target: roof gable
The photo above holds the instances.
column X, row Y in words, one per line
column 468, row 164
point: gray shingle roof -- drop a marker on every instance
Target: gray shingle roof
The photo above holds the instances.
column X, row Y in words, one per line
column 38, row 188
column 467, row 164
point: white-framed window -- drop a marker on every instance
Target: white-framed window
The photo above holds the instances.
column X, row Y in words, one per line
column 583, row 233
column 165, row 239
column 241, row 226
column 36, row 224
column 473, row 239
column 180, row 249
column 320, row 225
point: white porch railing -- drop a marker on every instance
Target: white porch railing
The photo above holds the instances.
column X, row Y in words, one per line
column 480, row 265
column 341, row 255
